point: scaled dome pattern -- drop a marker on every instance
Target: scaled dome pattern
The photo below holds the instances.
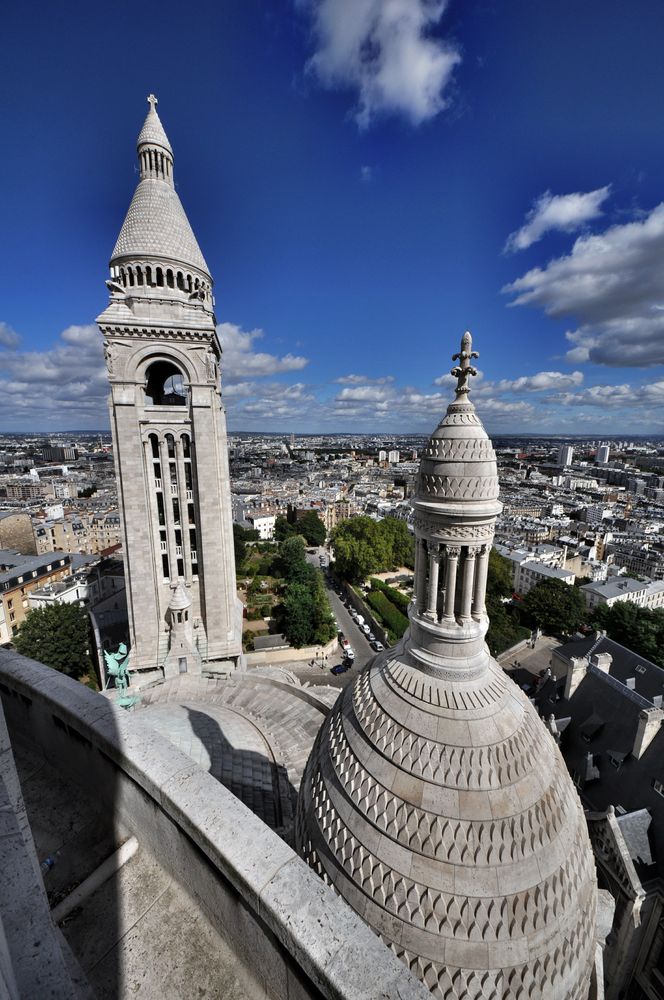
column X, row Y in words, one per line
column 435, row 800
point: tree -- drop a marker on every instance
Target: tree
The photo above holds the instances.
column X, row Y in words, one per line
column 297, row 613
column 284, row 529
column 555, row 606
column 291, row 561
column 640, row 629
column 400, row 540
column 240, row 538
column 312, row 528
column 58, row 635
column 499, row 577
column 360, row 549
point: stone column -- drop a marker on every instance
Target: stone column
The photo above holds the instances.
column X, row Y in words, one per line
column 184, row 520
column 432, row 593
column 168, row 507
column 467, row 583
column 479, row 600
column 420, row 575
column 452, row 554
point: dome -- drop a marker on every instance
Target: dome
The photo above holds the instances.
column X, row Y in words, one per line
column 435, row 800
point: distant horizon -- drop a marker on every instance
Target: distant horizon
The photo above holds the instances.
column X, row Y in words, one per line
column 375, row 433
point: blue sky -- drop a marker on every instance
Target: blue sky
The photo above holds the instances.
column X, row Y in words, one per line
column 366, row 179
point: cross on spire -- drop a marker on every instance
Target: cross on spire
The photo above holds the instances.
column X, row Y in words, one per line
column 153, row 102
column 463, row 371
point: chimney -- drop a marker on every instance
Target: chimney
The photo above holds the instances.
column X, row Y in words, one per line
column 578, row 665
column 602, row 661
column 631, row 683
column 657, row 700
column 650, row 719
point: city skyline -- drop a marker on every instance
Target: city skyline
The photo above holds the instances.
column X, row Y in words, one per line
column 357, row 211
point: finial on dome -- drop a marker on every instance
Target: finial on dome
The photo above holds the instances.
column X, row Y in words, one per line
column 463, row 371
column 153, row 102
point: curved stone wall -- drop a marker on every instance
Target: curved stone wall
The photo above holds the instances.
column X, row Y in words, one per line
column 294, row 933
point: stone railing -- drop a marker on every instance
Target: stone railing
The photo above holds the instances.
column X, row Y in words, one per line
column 292, row 933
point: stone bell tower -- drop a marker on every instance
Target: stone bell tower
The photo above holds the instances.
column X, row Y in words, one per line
column 169, row 430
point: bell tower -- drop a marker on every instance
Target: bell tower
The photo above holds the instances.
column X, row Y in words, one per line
column 169, row 430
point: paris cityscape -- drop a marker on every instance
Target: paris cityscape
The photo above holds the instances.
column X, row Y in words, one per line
column 332, row 503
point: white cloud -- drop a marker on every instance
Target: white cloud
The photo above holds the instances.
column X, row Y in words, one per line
column 8, row 337
column 63, row 386
column 613, row 284
column 383, row 50
column 240, row 359
column 366, row 173
column 536, row 383
column 564, row 212
column 363, row 393
column 363, row 380
column 612, row 396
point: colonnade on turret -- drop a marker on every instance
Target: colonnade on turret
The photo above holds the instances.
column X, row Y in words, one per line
column 450, row 581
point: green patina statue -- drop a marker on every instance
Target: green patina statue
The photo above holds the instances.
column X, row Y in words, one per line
column 116, row 666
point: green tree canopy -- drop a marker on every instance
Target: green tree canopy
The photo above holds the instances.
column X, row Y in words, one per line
column 284, row 529
column 240, row 538
column 58, row 635
column 555, row 606
column 363, row 546
column 640, row 629
column 312, row 528
column 499, row 577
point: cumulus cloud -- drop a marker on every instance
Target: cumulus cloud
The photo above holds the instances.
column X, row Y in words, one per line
column 612, row 283
column 384, row 51
column 63, row 386
column 536, row 383
column 362, row 393
column 651, row 394
column 8, row 337
column 241, row 359
column 363, row 380
column 564, row 212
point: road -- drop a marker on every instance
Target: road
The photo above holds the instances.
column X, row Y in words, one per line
column 363, row 651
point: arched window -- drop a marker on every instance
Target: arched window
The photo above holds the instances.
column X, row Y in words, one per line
column 197, row 284
column 130, row 272
column 148, row 275
column 169, row 278
column 160, row 277
column 180, row 280
column 154, row 445
column 123, row 277
column 139, row 275
column 188, row 282
column 165, row 384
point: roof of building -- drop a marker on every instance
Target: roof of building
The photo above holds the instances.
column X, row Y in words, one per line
column 614, row 588
column 156, row 226
column 153, row 133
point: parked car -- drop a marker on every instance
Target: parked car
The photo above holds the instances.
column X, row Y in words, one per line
column 340, row 635
column 340, row 668
column 371, row 637
column 350, row 652
column 345, row 643
column 365, row 629
column 377, row 646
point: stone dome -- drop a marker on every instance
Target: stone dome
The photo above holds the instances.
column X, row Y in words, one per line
column 435, row 800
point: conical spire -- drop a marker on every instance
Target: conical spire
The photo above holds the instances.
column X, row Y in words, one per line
column 156, row 226
column 152, row 133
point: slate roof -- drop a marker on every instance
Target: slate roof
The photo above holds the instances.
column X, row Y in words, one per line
column 626, row 664
column 604, row 715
